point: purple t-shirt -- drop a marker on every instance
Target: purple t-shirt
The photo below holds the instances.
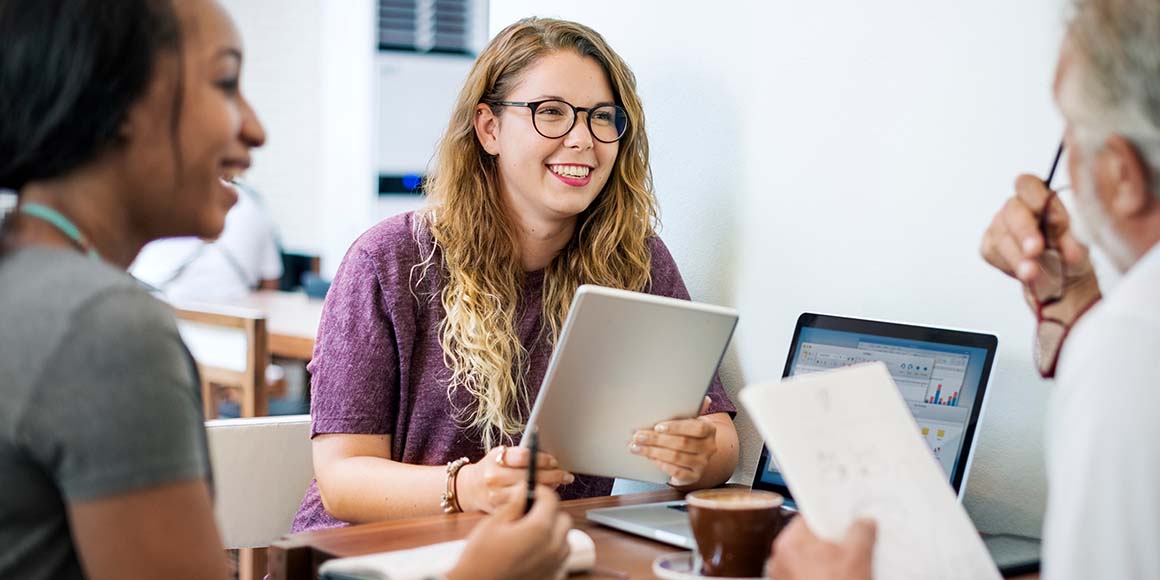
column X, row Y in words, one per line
column 378, row 366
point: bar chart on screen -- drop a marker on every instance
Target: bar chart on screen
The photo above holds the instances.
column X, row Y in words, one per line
column 941, row 396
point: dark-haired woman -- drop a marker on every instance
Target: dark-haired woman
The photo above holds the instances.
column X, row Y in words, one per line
column 121, row 123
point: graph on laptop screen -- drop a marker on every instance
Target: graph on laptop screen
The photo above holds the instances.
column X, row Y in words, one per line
column 938, row 381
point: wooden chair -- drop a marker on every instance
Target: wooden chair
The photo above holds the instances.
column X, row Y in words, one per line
column 231, row 348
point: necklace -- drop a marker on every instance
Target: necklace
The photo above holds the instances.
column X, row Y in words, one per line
column 65, row 225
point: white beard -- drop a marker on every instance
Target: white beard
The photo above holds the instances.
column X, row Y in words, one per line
column 1099, row 224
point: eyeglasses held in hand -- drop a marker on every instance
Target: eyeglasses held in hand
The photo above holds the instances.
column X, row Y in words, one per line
column 1048, row 288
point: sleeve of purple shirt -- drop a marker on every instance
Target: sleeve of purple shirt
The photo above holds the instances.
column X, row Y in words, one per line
column 354, row 371
column 666, row 281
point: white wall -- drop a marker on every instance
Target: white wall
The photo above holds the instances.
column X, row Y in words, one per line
column 308, row 71
column 844, row 157
column 314, row 77
column 348, row 133
column 280, row 76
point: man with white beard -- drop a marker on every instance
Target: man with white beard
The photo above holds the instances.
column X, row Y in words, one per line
column 1103, row 434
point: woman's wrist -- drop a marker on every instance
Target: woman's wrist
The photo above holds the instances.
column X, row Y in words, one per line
column 465, row 486
column 450, row 501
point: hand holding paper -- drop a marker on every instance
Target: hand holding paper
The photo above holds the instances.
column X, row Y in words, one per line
column 848, row 449
column 799, row 554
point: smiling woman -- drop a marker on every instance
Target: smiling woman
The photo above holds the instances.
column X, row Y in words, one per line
column 119, row 124
column 439, row 326
column 123, row 124
column 150, row 145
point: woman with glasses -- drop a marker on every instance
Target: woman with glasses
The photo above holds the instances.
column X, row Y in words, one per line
column 439, row 326
column 123, row 125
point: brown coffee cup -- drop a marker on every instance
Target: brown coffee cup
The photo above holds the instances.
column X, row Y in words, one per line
column 734, row 529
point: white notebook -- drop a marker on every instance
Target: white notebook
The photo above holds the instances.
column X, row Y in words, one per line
column 848, row 447
column 436, row 560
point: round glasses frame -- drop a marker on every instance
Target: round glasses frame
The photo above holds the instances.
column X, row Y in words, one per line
column 535, row 106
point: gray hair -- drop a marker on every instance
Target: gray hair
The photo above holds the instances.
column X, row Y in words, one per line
column 1113, row 86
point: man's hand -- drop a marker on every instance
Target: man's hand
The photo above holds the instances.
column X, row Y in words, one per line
column 1013, row 242
column 800, row 555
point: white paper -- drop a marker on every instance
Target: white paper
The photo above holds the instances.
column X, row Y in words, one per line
column 848, row 447
column 438, row 559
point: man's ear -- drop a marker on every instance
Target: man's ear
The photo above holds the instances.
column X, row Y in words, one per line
column 487, row 128
column 1128, row 177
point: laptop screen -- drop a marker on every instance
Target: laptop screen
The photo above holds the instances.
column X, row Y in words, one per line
column 941, row 374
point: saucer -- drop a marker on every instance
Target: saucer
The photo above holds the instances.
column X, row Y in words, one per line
column 679, row 566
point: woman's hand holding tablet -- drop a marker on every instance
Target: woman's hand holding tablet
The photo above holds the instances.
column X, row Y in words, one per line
column 682, row 448
column 624, row 385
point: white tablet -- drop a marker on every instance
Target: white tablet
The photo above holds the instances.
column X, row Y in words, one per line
column 625, row 361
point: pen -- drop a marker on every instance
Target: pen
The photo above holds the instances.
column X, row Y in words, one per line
column 1047, row 182
column 1054, row 165
column 534, row 445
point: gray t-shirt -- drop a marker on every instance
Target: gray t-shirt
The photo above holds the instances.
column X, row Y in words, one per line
column 97, row 397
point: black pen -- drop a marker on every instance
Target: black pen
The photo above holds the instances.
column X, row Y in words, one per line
column 1054, row 165
column 534, row 446
column 1047, row 182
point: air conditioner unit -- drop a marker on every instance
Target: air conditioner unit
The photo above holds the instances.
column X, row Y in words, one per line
column 425, row 50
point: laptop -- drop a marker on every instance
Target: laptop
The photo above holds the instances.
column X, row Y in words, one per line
column 942, row 375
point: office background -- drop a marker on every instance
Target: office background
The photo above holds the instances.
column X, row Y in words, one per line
column 840, row 157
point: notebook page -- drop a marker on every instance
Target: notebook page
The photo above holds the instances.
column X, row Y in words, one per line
column 848, row 447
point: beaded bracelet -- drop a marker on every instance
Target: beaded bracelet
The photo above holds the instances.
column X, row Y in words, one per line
column 449, row 501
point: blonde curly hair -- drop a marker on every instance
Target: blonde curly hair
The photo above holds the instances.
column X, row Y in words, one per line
column 476, row 245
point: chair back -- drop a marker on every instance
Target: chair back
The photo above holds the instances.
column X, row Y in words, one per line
column 261, row 468
column 231, row 347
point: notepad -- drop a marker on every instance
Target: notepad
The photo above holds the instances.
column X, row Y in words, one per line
column 436, row 560
column 848, row 447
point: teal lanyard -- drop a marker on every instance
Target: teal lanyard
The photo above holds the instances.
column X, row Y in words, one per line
column 58, row 221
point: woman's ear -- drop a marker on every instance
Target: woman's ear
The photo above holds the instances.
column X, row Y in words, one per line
column 487, row 128
column 1130, row 176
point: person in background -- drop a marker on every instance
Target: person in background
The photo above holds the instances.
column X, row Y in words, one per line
column 121, row 124
column 438, row 328
column 244, row 258
column 1103, row 439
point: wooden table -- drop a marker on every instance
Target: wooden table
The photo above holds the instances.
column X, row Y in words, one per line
column 297, row 557
column 292, row 320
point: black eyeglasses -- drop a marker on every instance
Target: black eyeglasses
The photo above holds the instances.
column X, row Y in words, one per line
column 554, row 118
